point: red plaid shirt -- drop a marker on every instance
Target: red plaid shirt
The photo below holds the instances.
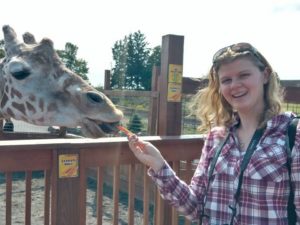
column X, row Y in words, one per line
column 265, row 189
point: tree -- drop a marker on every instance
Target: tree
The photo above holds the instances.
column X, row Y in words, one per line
column 133, row 61
column 69, row 58
column 120, row 58
column 135, row 124
column 154, row 60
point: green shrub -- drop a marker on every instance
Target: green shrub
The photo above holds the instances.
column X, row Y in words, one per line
column 135, row 124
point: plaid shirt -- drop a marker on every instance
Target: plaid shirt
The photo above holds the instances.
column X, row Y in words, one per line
column 265, row 189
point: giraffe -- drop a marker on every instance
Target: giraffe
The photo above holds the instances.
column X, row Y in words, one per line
column 36, row 87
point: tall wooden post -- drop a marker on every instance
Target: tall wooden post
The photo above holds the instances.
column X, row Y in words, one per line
column 68, row 187
column 153, row 114
column 170, row 85
column 170, row 91
column 107, row 80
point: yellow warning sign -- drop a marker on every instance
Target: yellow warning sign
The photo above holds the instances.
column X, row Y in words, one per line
column 68, row 165
column 174, row 83
column 175, row 74
column 174, row 92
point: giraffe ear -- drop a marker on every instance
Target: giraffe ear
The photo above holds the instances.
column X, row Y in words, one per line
column 10, row 40
column 47, row 42
column 28, row 38
column 10, row 36
column 47, row 46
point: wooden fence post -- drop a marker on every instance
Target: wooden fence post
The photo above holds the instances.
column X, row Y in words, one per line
column 170, row 107
column 107, row 76
column 68, row 188
column 170, row 85
column 153, row 112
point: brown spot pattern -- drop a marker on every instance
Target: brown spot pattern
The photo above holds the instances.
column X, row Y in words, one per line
column 24, row 119
column 19, row 107
column 67, row 83
column 30, row 107
column 32, row 98
column 15, row 92
column 41, row 104
column 40, row 119
column 52, row 107
column 4, row 101
column 10, row 112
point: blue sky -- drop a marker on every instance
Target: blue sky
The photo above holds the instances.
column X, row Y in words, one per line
column 207, row 25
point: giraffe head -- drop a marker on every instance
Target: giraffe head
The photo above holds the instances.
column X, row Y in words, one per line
column 36, row 87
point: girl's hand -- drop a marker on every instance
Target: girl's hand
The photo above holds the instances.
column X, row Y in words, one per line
column 146, row 153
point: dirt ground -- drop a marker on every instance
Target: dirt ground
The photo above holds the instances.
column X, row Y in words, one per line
column 37, row 218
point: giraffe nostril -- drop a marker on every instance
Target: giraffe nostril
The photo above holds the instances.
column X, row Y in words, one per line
column 94, row 97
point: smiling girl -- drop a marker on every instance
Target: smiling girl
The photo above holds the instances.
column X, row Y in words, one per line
column 242, row 176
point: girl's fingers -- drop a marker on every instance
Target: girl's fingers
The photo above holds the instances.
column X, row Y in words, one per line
column 136, row 142
column 132, row 138
column 141, row 145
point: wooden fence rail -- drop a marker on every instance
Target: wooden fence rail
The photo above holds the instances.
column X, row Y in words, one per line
column 65, row 198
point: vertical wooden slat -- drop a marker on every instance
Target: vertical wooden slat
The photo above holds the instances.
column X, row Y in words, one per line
column 174, row 211
column 155, row 205
column 146, row 197
column 116, row 188
column 99, row 195
column 82, row 188
column 53, row 184
column 188, row 176
column 47, row 175
column 187, row 222
column 28, row 198
column 131, row 194
column 8, row 197
column 153, row 112
column 159, row 209
column 188, row 171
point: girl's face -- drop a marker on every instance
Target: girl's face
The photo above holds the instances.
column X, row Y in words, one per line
column 242, row 85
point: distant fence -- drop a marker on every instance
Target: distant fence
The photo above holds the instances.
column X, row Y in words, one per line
column 189, row 87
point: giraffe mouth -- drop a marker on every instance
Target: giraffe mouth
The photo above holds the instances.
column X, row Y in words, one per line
column 95, row 128
column 109, row 127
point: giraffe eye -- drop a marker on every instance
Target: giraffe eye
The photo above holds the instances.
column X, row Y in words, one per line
column 19, row 69
column 20, row 75
column 94, row 97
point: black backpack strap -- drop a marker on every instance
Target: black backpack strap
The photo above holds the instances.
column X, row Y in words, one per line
column 292, row 129
column 249, row 152
column 210, row 172
column 216, row 156
column 292, row 132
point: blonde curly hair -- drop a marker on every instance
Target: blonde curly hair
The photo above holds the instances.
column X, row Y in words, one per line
column 211, row 108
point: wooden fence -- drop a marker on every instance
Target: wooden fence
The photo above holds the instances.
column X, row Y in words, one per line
column 65, row 197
